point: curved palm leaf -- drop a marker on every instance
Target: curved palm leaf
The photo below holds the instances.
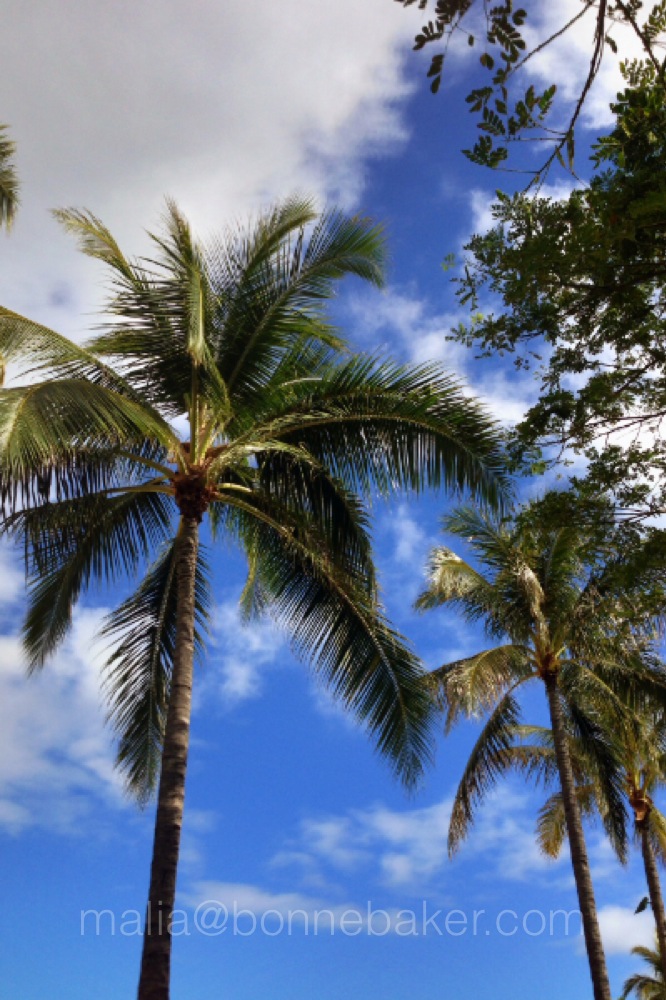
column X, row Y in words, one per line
column 473, row 685
column 334, row 622
column 138, row 672
column 75, row 543
column 486, row 763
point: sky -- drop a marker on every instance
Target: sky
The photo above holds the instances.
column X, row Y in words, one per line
column 305, row 869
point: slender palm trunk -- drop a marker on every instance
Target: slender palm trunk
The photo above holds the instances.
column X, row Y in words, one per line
column 654, row 889
column 156, row 958
column 579, row 859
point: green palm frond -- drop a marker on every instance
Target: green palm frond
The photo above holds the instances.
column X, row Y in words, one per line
column 44, row 425
column 9, row 183
column 294, row 273
column 486, row 764
column 473, row 685
column 38, row 350
column 163, row 311
column 536, row 763
column 606, row 768
column 294, row 480
column 491, row 538
column 138, row 672
column 335, row 623
column 70, row 545
column 382, row 426
column 551, row 827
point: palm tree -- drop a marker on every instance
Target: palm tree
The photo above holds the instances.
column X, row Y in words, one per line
column 285, row 433
column 642, row 757
column 9, row 185
column 646, row 987
column 557, row 629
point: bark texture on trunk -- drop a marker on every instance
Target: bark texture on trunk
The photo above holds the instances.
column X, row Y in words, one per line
column 156, row 958
column 654, row 889
column 579, row 859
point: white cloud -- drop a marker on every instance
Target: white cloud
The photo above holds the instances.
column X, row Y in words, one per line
column 56, row 755
column 239, row 654
column 409, row 327
column 12, row 578
column 622, row 929
column 407, row 850
column 411, row 541
column 243, row 901
column 403, row 322
column 222, row 106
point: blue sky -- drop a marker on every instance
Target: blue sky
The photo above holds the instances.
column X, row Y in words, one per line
column 226, row 106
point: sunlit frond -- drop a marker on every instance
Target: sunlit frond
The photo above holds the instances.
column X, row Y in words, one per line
column 472, row 686
column 45, row 425
column 449, row 577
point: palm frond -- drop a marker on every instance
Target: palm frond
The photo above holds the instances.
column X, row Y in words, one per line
column 473, row 685
column 73, row 543
column 487, row 762
column 41, row 351
column 646, row 987
column 138, row 671
column 606, row 765
column 334, row 621
column 382, row 426
column 163, row 309
column 449, row 577
column 9, row 183
column 551, row 827
column 271, row 289
column 45, row 424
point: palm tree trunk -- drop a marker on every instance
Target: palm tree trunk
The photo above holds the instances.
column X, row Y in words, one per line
column 654, row 889
column 579, row 859
column 156, row 958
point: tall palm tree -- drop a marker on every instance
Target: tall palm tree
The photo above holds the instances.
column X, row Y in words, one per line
column 284, row 434
column 641, row 752
column 556, row 629
column 644, row 986
column 9, row 185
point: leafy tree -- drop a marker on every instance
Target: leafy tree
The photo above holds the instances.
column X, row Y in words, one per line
column 285, row 433
column 557, row 626
column 581, row 289
column 644, row 986
column 9, row 185
column 504, row 116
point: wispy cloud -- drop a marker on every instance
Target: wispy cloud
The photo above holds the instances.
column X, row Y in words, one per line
column 240, row 653
column 409, row 327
